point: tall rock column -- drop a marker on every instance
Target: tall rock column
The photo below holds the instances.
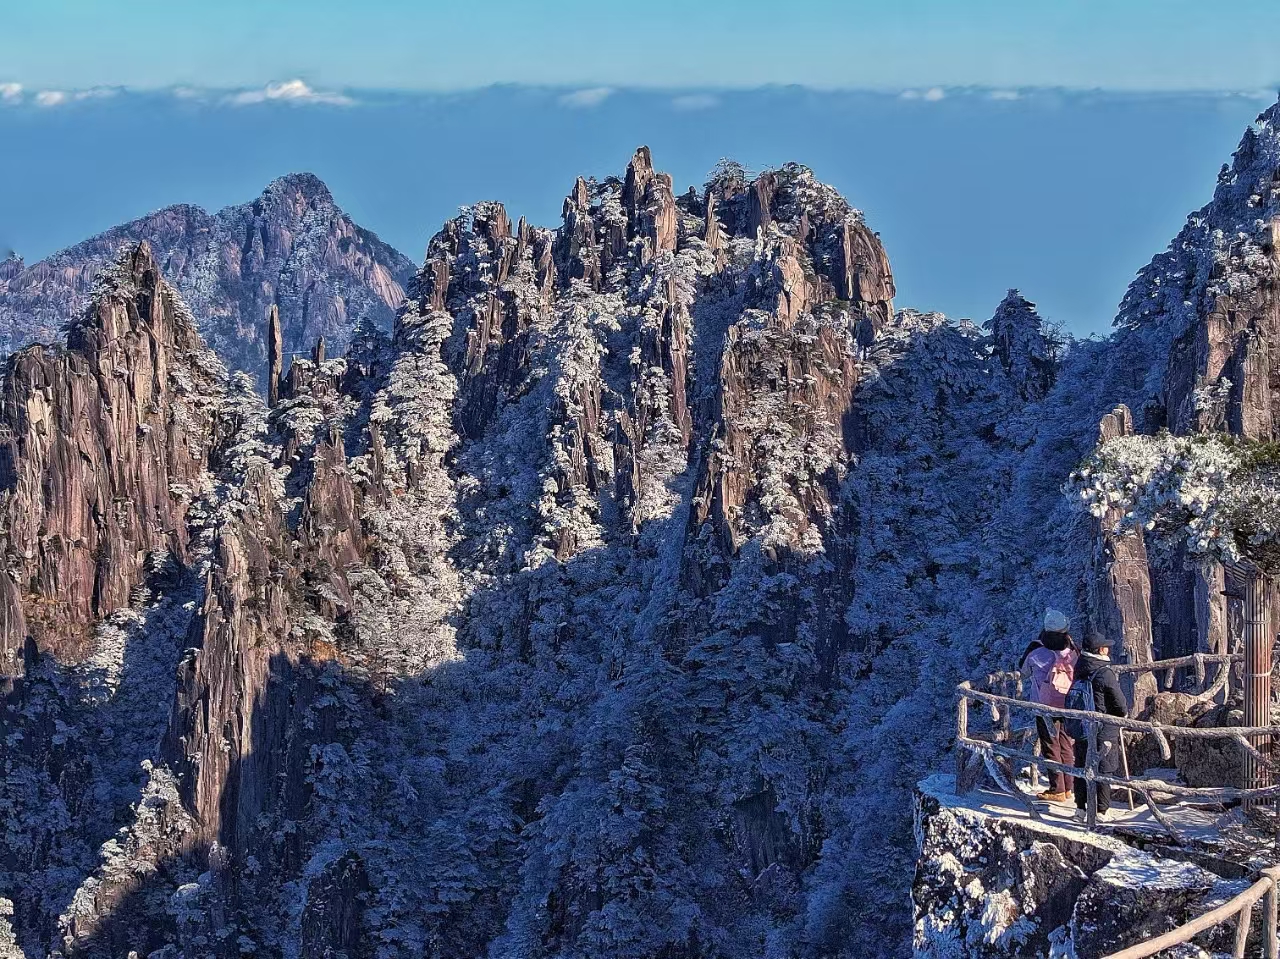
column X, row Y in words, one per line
column 275, row 356
column 1121, row 583
column 230, row 736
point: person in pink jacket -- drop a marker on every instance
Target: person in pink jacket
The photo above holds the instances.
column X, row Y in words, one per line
column 1048, row 665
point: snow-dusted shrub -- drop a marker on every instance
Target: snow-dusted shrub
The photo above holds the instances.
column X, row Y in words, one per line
column 1218, row 494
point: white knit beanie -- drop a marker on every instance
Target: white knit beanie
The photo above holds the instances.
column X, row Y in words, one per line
column 1055, row 621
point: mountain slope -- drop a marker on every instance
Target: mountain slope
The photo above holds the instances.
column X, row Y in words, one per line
column 292, row 247
column 610, row 605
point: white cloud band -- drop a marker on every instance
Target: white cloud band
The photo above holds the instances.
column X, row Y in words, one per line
column 289, row 91
column 584, row 99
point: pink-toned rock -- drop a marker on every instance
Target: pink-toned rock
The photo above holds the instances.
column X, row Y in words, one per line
column 102, row 445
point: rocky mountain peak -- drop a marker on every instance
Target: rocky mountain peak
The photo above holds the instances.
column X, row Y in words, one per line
column 292, row 247
column 129, row 299
column 292, row 198
column 307, row 185
column 10, row 267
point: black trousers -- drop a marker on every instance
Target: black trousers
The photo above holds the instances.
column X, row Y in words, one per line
column 1108, row 762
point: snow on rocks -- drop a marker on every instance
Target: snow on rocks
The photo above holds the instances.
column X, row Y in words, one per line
column 990, row 884
column 292, row 247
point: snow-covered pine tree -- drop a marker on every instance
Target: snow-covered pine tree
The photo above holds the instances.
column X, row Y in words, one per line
column 1026, row 349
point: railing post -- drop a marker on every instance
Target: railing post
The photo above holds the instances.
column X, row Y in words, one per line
column 962, row 733
column 1091, row 773
column 1243, row 921
column 1271, row 906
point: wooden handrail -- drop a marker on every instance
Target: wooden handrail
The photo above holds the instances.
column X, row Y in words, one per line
column 1240, row 907
column 1204, row 794
column 1001, row 709
column 1106, row 719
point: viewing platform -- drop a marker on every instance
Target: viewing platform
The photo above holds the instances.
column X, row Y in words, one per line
column 1183, row 864
column 992, row 880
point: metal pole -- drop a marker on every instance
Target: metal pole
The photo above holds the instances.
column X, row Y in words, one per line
column 1257, row 676
column 1090, row 772
column 1124, row 763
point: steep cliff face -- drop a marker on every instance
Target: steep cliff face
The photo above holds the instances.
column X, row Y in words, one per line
column 165, row 673
column 104, row 445
column 291, row 247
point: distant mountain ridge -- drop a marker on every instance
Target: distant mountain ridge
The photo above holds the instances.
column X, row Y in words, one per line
column 292, row 247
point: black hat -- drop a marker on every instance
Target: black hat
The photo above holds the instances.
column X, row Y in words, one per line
column 1096, row 643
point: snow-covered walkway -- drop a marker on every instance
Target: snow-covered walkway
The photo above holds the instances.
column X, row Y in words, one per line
column 1204, row 829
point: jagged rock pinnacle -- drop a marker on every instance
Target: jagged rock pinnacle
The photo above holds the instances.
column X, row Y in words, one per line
column 275, row 356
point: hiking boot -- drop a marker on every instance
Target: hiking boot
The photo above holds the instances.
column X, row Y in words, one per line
column 1062, row 797
column 1081, row 816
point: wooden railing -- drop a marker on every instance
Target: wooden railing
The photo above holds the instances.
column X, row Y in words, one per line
column 973, row 755
column 1001, row 706
column 1240, row 908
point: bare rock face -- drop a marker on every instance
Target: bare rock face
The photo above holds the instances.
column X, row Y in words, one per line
column 806, row 370
column 292, row 248
column 223, row 740
column 578, row 257
column 1212, row 762
column 104, row 443
column 1121, row 601
column 1219, row 375
column 650, row 205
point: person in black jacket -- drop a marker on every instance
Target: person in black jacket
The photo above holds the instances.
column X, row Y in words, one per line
column 1094, row 667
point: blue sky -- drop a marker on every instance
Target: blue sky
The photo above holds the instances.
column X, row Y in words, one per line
column 412, row 44
column 1052, row 145
column 1064, row 195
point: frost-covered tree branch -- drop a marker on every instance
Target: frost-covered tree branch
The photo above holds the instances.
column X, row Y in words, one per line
column 1217, row 494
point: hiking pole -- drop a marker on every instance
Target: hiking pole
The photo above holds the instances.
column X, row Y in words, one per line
column 1124, row 766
